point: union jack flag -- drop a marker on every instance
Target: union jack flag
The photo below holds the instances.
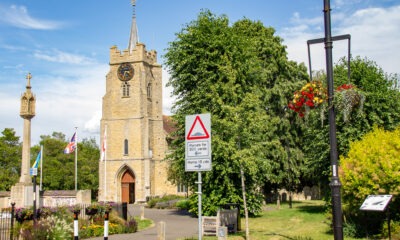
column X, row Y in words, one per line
column 71, row 145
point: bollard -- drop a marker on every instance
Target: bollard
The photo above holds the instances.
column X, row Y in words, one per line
column 106, row 225
column 125, row 211
column 142, row 213
column 76, row 225
column 161, row 231
column 222, row 233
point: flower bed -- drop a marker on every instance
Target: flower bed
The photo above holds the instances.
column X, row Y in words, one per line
column 57, row 223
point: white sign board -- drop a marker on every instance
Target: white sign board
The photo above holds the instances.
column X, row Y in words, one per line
column 33, row 171
column 376, row 202
column 198, row 142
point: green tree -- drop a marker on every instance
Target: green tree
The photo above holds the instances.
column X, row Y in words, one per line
column 59, row 168
column 381, row 108
column 10, row 159
column 88, row 165
column 235, row 73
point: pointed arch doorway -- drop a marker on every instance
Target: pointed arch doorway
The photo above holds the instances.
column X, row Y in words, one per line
column 128, row 187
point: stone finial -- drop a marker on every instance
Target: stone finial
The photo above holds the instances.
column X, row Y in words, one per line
column 28, row 77
column 28, row 100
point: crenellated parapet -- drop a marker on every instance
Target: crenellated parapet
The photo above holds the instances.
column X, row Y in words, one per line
column 138, row 54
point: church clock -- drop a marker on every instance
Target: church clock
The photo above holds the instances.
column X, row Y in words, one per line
column 125, row 72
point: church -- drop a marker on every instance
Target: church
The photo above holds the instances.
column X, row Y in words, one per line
column 133, row 129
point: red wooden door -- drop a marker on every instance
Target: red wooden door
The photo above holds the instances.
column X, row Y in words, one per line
column 128, row 187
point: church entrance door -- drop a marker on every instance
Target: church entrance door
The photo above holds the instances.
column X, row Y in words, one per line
column 128, row 187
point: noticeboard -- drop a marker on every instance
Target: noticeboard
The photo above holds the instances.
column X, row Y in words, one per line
column 376, row 203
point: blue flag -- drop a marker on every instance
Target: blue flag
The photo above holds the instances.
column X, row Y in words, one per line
column 36, row 164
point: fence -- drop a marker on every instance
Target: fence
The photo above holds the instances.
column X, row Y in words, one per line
column 7, row 223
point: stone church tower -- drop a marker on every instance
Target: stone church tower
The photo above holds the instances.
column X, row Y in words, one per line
column 133, row 139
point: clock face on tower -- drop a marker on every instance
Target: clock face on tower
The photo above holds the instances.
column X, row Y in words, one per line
column 125, row 72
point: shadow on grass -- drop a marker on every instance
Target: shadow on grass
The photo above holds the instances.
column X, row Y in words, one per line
column 313, row 209
column 289, row 237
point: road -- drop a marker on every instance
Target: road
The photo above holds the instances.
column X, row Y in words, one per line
column 178, row 225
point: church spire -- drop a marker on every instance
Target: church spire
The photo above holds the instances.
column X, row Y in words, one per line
column 134, row 35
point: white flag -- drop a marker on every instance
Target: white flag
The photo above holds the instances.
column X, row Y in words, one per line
column 104, row 145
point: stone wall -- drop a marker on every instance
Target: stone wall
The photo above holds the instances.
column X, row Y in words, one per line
column 53, row 198
column 308, row 193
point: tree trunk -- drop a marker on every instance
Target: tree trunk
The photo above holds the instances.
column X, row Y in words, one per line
column 246, row 214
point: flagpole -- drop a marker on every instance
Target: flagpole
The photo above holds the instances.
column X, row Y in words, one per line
column 41, row 167
column 76, row 159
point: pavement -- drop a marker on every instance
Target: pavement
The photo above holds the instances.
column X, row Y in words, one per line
column 178, row 225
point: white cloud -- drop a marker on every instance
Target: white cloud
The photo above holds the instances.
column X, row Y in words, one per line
column 93, row 125
column 168, row 100
column 62, row 57
column 63, row 102
column 18, row 16
column 374, row 34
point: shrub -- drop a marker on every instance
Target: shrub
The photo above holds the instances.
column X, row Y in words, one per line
column 167, row 201
column 183, row 204
column 371, row 168
column 131, row 226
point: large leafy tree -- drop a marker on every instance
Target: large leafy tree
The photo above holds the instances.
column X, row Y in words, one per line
column 10, row 159
column 241, row 75
column 59, row 168
column 381, row 108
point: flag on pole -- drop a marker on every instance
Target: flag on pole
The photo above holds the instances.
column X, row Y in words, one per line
column 71, row 145
column 104, row 145
column 36, row 164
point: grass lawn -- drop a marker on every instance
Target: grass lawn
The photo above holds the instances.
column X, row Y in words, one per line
column 307, row 220
column 143, row 224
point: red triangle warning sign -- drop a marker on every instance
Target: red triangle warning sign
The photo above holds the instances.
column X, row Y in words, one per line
column 197, row 131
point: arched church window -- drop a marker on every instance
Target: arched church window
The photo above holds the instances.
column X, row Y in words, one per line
column 125, row 89
column 126, row 149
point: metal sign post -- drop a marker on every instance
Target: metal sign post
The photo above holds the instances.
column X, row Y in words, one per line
column 33, row 172
column 198, row 150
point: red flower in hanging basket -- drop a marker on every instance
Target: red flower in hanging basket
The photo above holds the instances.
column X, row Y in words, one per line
column 344, row 87
column 311, row 95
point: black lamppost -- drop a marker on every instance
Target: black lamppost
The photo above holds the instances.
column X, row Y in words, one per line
column 335, row 182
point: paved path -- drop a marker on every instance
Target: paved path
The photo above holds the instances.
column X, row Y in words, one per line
column 178, row 225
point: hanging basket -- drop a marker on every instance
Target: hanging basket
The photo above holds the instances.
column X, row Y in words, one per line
column 348, row 99
column 311, row 95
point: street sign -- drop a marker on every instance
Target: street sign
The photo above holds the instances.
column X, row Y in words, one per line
column 198, row 142
column 33, row 171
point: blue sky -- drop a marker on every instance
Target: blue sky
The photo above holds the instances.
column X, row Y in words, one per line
column 65, row 45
